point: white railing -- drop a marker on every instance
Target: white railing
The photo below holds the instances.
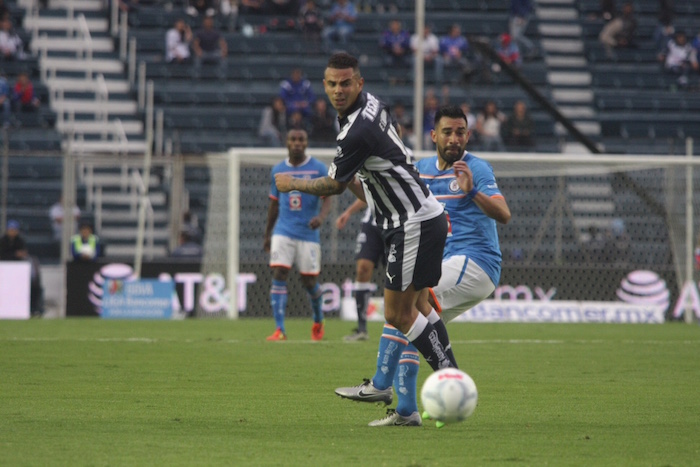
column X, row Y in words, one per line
column 101, row 98
column 139, row 192
column 84, row 49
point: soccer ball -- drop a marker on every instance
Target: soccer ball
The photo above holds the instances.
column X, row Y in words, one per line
column 449, row 395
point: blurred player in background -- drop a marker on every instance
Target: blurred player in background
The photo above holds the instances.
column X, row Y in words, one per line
column 369, row 250
column 292, row 234
column 471, row 266
column 413, row 223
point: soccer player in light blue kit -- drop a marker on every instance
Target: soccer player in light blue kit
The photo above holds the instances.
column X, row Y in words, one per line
column 295, row 239
column 471, row 266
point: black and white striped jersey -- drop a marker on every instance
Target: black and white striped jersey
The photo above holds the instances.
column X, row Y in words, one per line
column 369, row 145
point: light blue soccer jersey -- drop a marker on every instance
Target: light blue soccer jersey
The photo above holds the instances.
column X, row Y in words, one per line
column 296, row 209
column 471, row 232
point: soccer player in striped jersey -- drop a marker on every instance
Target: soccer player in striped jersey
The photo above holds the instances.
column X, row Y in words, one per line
column 413, row 223
column 292, row 234
column 471, row 267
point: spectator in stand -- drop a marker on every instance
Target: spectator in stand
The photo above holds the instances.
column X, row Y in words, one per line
column 520, row 13
column 201, row 7
column 12, row 245
column 311, row 20
column 608, row 10
column 85, row 245
column 398, row 111
column 57, row 215
column 11, row 46
column 430, row 108
column 340, row 25
column 23, row 98
column 210, row 47
column 679, row 58
column 187, row 247
column 177, row 42
column 454, row 51
column 519, row 128
column 471, row 119
column 508, row 50
column 696, row 43
column 620, row 31
column 431, row 50
column 297, row 94
column 488, row 127
column 273, row 124
column 324, row 124
column 296, row 121
column 5, row 101
column 396, row 43
column 663, row 34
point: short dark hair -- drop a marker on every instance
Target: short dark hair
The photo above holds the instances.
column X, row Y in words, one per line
column 449, row 111
column 342, row 60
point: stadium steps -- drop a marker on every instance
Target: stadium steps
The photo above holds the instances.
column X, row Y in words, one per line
column 568, row 70
column 77, row 85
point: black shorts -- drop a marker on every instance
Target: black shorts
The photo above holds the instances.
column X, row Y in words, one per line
column 414, row 254
column 370, row 244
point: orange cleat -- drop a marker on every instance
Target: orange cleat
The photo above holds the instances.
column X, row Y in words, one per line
column 278, row 335
column 317, row 332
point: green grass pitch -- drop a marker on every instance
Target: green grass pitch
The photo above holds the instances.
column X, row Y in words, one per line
column 213, row 392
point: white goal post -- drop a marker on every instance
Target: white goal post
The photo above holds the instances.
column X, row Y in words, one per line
column 573, row 198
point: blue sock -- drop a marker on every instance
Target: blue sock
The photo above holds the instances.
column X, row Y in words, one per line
column 315, row 295
column 406, row 381
column 278, row 300
column 391, row 345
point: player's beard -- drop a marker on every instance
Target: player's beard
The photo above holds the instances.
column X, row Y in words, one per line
column 451, row 154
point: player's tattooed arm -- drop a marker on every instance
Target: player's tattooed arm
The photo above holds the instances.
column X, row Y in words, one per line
column 322, row 186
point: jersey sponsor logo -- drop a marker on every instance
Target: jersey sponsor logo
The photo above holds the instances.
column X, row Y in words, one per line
column 454, row 186
column 493, row 186
column 339, row 152
column 371, row 109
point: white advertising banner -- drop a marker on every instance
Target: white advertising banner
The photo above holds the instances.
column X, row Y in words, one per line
column 15, row 282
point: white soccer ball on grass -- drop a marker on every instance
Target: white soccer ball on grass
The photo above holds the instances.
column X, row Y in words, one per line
column 449, row 395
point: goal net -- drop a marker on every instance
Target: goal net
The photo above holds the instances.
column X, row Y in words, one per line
column 584, row 228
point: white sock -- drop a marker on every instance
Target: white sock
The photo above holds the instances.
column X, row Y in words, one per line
column 417, row 327
column 433, row 316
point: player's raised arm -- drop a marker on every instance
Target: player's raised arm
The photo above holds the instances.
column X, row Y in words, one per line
column 493, row 206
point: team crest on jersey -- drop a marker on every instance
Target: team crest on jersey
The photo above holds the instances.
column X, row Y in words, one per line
column 454, row 186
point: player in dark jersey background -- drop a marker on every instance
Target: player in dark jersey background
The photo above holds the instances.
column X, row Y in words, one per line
column 413, row 223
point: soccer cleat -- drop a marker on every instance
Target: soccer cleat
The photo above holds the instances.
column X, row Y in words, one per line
column 278, row 335
column 356, row 336
column 393, row 418
column 366, row 392
column 317, row 331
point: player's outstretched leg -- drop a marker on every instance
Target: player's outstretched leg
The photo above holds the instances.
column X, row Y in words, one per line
column 405, row 383
column 444, row 338
column 278, row 301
